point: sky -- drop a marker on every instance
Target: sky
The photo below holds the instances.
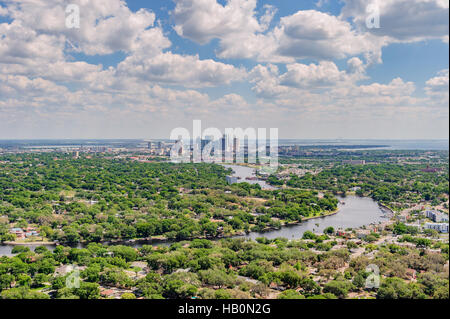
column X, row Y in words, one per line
column 314, row 69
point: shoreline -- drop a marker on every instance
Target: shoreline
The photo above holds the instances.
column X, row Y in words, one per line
column 298, row 222
column 159, row 239
column 150, row 240
column 386, row 207
column 31, row 243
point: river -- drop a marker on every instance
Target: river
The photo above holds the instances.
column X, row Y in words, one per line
column 356, row 212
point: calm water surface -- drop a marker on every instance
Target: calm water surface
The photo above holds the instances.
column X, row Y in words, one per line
column 356, row 212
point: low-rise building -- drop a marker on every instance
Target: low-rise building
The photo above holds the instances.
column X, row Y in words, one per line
column 344, row 234
column 20, row 234
column 436, row 216
column 31, row 233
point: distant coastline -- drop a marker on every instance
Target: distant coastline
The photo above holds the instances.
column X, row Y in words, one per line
column 412, row 144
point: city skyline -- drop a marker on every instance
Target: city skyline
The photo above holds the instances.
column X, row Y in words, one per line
column 312, row 69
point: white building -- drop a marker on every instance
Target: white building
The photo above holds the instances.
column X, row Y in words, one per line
column 440, row 227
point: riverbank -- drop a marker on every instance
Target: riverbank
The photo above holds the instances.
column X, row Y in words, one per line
column 162, row 239
column 294, row 223
column 357, row 212
column 142, row 241
column 387, row 207
column 30, row 243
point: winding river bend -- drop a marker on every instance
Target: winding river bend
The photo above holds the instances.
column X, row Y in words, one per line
column 356, row 212
column 353, row 212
